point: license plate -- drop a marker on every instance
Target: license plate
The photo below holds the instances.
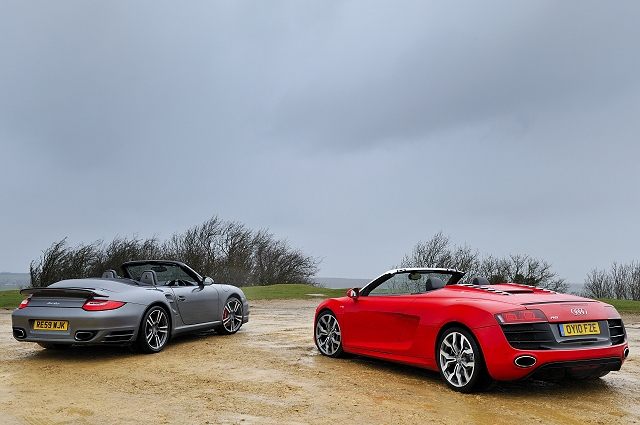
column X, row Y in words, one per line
column 574, row 329
column 50, row 325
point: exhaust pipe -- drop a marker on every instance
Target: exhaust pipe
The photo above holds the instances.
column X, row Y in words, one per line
column 525, row 361
column 84, row 335
column 19, row 333
column 626, row 352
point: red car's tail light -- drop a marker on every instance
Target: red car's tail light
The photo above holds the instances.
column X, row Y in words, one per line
column 521, row 316
column 99, row 305
column 25, row 302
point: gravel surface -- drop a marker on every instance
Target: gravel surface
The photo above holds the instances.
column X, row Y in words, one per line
column 271, row 373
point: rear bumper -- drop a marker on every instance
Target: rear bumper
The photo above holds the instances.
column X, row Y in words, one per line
column 576, row 368
column 578, row 362
column 119, row 326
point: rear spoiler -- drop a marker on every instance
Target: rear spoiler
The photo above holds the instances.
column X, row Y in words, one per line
column 64, row 292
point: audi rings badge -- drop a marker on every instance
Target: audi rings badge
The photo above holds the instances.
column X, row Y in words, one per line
column 578, row 311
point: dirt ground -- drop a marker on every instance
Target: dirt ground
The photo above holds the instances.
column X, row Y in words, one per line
column 271, row 373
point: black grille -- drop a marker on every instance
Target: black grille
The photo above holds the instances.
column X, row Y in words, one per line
column 118, row 336
column 616, row 331
column 529, row 336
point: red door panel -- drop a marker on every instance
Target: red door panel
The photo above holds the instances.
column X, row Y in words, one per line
column 375, row 322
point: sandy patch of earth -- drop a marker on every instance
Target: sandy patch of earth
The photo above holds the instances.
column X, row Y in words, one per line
column 271, row 373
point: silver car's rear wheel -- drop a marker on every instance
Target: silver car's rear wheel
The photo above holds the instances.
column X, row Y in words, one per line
column 460, row 361
column 154, row 331
column 231, row 317
column 328, row 336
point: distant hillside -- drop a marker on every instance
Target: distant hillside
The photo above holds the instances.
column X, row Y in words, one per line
column 575, row 288
column 14, row 280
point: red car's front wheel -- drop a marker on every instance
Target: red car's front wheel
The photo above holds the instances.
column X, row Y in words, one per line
column 327, row 335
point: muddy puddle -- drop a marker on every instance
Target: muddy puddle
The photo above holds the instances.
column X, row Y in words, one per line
column 271, row 373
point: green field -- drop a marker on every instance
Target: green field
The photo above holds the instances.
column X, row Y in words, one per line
column 290, row 291
column 11, row 299
column 624, row 306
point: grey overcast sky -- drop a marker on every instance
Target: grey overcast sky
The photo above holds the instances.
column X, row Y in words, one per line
column 354, row 129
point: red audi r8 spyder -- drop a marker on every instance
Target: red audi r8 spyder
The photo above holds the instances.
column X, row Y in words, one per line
column 473, row 333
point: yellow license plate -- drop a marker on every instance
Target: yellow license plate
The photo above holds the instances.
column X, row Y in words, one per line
column 50, row 325
column 575, row 329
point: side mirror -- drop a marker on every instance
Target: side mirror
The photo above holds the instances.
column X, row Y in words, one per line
column 207, row 281
column 353, row 293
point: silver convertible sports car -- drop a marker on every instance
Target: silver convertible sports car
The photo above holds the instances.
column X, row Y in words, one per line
column 154, row 301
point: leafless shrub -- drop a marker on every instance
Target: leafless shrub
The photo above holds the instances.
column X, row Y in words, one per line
column 227, row 251
column 622, row 281
column 60, row 262
column 523, row 269
column 597, row 285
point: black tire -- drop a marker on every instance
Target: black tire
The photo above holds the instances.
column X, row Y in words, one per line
column 155, row 331
column 231, row 317
column 460, row 361
column 327, row 335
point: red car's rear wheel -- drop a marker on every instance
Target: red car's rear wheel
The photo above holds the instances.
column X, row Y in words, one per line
column 460, row 361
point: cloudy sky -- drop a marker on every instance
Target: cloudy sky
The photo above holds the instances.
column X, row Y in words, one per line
column 354, row 129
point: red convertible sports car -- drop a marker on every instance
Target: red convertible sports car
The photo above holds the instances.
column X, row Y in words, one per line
column 473, row 333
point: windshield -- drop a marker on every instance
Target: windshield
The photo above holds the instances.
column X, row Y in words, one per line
column 410, row 282
column 164, row 272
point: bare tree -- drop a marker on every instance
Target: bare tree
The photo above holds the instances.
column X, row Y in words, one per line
column 523, row 269
column 60, row 262
column 227, row 251
column 634, row 281
column 619, row 276
column 434, row 252
column 597, row 285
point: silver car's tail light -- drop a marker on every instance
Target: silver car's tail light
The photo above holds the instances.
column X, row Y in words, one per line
column 25, row 302
column 100, row 305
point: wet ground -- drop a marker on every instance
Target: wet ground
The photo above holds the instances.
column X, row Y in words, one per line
column 271, row 373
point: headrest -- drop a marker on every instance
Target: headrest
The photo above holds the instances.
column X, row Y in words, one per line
column 434, row 283
column 479, row 280
column 149, row 277
column 109, row 274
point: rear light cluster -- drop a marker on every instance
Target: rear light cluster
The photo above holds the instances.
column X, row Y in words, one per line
column 521, row 316
column 100, row 305
column 25, row 302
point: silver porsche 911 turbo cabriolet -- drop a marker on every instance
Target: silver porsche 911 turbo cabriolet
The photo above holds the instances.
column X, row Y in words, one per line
column 154, row 301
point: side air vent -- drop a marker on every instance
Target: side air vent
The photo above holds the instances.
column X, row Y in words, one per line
column 616, row 331
column 118, row 336
column 529, row 336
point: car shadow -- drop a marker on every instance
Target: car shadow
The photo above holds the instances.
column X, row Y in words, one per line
column 102, row 352
column 522, row 388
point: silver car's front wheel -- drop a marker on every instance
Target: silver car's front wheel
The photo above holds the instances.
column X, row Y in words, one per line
column 154, row 331
column 460, row 361
column 328, row 336
column 231, row 317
